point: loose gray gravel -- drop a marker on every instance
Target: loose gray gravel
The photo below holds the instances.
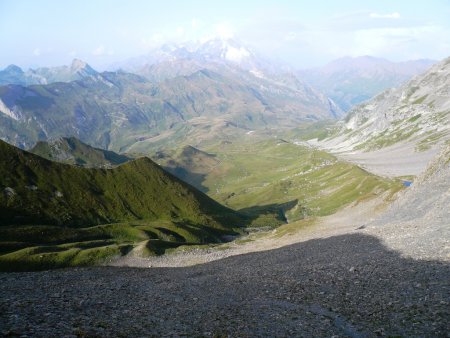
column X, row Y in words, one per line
column 349, row 285
column 418, row 222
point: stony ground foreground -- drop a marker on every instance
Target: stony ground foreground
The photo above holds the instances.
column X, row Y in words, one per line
column 349, row 285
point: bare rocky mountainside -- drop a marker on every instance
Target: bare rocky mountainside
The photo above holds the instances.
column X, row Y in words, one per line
column 401, row 129
column 418, row 222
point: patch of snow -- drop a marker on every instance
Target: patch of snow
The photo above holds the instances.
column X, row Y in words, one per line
column 236, row 54
column 257, row 73
column 301, row 143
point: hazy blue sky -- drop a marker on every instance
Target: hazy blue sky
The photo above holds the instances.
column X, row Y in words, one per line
column 302, row 33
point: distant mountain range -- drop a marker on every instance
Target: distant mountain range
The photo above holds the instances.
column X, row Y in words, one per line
column 76, row 71
column 347, row 81
column 126, row 112
column 350, row 81
column 183, row 94
column 216, row 51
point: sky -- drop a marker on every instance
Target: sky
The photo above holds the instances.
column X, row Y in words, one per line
column 300, row 33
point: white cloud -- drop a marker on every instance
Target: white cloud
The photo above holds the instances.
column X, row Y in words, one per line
column 224, row 31
column 72, row 53
column 290, row 36
column 179, row 31
column 37, row 52
column 394, row 15
column 100, row 50
column 156, row 39
column 388, row 41
column 315, row 46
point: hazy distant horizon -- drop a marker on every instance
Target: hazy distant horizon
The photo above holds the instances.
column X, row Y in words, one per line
column 113, row 65
column 301, row 34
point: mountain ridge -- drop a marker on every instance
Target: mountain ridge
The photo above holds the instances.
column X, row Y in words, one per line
column 37, row 191
column 399, row 130
column 115, row 110
column 77, row 70
column 421, row 106
column 70, row 150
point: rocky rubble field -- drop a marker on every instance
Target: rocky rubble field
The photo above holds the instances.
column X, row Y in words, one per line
column 349, row 285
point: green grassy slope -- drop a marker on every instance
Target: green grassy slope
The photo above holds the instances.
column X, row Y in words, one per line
column 189, row 164
column 54, row 210
column 70, row 150
column 267, row 176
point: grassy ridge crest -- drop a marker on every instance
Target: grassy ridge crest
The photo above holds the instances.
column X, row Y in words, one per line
column 55, row 215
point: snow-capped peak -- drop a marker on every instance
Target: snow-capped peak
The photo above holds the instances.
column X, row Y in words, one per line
column 227, row 49
column 235, row 54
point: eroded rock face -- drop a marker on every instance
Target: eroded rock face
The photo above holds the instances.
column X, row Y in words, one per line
column 418, row 222
column 417, row 112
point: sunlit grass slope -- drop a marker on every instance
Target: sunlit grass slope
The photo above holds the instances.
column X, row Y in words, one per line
column 46, row 208
column 299, row 181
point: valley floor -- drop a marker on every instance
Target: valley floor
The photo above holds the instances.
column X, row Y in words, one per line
column 337, row 277
column 398, row 160
column 345, row 221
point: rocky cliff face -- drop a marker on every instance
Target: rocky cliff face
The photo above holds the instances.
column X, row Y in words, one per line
column 417, row 113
